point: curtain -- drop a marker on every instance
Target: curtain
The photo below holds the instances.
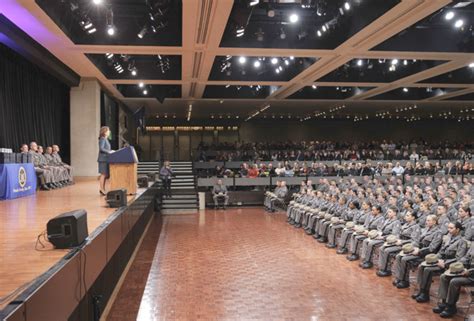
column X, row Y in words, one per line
column 34, row 106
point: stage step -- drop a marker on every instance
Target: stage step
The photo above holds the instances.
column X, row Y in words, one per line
column 186, row 202
column 178, row 201
column 179, row 211
column 178, row 206
column 145, row 168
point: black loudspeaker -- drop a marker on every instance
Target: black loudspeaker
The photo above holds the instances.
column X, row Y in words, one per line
column 143, row 182
column 117, row 198
column 68, row 229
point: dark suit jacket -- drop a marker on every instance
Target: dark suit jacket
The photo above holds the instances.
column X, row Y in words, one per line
column 104, row 150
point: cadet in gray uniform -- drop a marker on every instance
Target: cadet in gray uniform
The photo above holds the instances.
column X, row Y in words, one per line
column 59, row 162
column 450, row 286
column 391, row 225
column 429, row 242
column 55, row 171
column 464, row 217
column 219, row 191
column 410, row 231
column 45, row 175
column 280, row 196
column 452, row 250
column 359, row 218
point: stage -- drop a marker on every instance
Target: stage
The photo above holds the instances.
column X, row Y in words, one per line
column 23, row 219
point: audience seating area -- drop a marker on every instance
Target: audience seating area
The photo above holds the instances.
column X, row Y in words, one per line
column 328, row 150
column 404, row 229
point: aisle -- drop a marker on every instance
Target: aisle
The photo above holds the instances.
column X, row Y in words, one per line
column 245, row 264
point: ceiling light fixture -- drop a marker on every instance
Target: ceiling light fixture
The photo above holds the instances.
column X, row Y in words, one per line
column 145, row 92
column 471, row 65
column 459, row 23
column 405, row 62
column 277, row 71
column 142, row 32
column 287, row 62
column 274, row 61
column 110, row 30
column 314, row 87
column 294, row 18
column 254, row 3
column 319, row 33
column 282, row 34
column 240, row 32
column 347, row 6
column 449, row 15
column 242, row 60
column 292, row 58
column 109, row 55
column 394, row 62
column 109, row 17
column 360, row 62
column 134, row 71
column 90, row 31
column 324, row 28
column 97, row 2
column 257, row 64
column 405, row 89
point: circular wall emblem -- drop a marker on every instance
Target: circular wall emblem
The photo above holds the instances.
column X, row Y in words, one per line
column 22, row 177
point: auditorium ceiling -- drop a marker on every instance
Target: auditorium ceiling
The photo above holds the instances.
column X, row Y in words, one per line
column 261, row 59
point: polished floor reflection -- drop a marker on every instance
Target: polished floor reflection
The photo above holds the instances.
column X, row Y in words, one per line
column 245, row 264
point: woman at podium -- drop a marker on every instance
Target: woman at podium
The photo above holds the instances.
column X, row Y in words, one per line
column 103, row 159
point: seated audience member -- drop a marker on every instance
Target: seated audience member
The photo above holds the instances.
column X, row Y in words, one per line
column 452, row 250
column 398, row 170
column 219, row 191
column 60, row 162
column 451, row 282
column 279, row 196
column 44, row 174
column 429, row 242
column 253, row 171
column 409, row 231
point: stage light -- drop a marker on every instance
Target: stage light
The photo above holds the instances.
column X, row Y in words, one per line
column 287, row 62
column 405, row 62
column 347, row 6
column 92, row 30
column 319, row 33
column 145, row 92
column 142, row 32
column 274, row 61
column 449, row 15
column 109, row 55
column 111, row 30
column 314, row 87
column 86, row 24
column 257, row 64
column 242, row 60
column 459, row 23
column 134, row 71
column 294, row 18
column 254, row 3
column 277, row 71
column 405, row 89
column 141, row 85
column 280, row 67
column 97, row 2
column 360, row 62
column 471, row 65
column 292, row 58
column 394, row 61
column 324, row 28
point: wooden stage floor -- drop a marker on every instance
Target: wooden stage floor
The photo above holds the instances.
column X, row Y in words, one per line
column 21, row 220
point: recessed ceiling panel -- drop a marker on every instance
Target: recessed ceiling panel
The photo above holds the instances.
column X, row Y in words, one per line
column 117, row 22
column 411, row 93
column 295, row 24
column 324, row 92
column 239, row 92
column 463, row 75
column 463, row 97
column 160, row 92
column 378, row 70
column 115, row 66
column 446, row 30
column 258, row 68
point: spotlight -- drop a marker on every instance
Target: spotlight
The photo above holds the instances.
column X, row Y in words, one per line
column 405, row 89
column 134, row 71
column 257, row 64
column 324, row 28
column 277, row 71
column 142, row 32
column 280, row 67
column 471, row 65
column 347, row 6
column 111, row 30
column 141, row 85
column 287, row 62
column 254, row 3
column 294, row 18
column 242, row 60
column 360, row 62
column 319, row 33
column 459, row 23
column 449, row 15
column 292, row 58
column 274, row 61
column 394, row 61
column 145, row 92
column 97, row 2
column 314, row 87
column 405, row 62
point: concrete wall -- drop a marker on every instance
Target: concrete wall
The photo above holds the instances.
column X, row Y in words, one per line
column 85, row 125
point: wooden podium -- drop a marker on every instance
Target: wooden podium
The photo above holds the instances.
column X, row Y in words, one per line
column 123, row 170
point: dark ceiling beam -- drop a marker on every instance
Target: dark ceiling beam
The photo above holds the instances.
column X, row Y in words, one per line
column 14, row 38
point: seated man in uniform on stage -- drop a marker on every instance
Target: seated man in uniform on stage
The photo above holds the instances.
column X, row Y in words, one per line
column 219, row 191
column 279, row 197
column 61, row 173
column 44, row 174
column 24, row 149
column 60, row 162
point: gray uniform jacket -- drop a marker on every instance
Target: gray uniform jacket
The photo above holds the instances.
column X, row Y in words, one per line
column 453, row 249
column 468, row 228
column 409, row 231
column 391, row 226
column 430, row 240
column 36, row 158
column 219, row 189
column 281, row 193
column 376, row 223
